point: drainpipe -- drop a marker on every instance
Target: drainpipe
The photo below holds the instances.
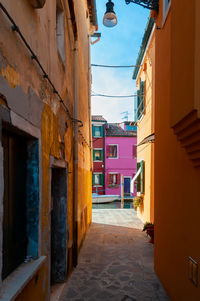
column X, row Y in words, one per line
column 75, row 165
column 89, row 104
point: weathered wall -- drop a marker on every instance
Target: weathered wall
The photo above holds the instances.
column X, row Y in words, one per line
column 30, row 96
column 176, row 179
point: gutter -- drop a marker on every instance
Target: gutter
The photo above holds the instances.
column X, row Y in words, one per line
column 145, row 42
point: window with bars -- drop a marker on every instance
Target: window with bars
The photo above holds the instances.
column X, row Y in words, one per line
column 98, row 155
column 113, row 179
column 112, row 151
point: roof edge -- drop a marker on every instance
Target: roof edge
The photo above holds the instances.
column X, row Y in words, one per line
column 145, row 40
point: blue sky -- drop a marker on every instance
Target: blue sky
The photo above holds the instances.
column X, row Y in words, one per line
column 118, row 46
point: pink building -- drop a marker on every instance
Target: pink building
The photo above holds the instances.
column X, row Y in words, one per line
column 120, row 157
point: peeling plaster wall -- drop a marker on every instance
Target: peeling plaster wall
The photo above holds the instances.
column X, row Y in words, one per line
column 32, row 103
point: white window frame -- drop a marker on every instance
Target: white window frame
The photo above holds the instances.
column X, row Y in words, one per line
column 114, row 173
column 101, row 149
column 97, row 173
column 117, row 151
column 165, row 11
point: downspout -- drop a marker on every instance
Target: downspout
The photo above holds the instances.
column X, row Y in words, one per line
column 75, row 165
column 104, row 145
column 89, row 104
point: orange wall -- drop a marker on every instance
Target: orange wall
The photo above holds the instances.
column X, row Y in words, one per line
column 177, row 204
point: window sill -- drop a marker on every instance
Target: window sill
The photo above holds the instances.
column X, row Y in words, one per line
column 16, row 281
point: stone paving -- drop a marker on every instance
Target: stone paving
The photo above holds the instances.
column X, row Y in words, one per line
column 115, row 262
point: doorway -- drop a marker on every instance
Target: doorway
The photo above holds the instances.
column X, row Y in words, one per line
column 127, row 182
column 58, row 225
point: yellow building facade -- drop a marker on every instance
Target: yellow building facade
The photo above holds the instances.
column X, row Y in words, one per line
column 45, row 142
column 145, row 81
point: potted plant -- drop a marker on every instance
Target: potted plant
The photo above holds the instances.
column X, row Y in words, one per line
column 149, row 228
column 137, row 201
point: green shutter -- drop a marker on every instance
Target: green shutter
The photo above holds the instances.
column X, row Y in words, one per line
column 142, row 97
column 93, row 155
column 102, row 131
column 142, row 177
column 138, row 103
column 92, row 179
column 93, row 130
column 138, row 179
column 102, row 155
column 102, row 179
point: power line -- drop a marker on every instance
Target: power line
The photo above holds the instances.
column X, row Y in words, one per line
column 115, row 96
column 34, row 57
column 113, row 66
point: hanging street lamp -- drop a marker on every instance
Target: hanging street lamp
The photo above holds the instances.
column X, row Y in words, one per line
column 110, row 18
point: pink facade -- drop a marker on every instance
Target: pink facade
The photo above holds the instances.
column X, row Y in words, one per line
column 124, row 164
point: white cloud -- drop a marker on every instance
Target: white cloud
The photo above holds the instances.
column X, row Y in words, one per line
column 112, row 82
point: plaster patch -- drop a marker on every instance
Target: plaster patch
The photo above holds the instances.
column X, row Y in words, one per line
column 11, row 76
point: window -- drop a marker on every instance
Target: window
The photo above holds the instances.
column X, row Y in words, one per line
column 113, row 179
column 140, row 178
column 97, row 179
column 97, row 131
column 112, row 151
column 140, row 100
column 60, row 31
column 134, row 151
column 98, row 155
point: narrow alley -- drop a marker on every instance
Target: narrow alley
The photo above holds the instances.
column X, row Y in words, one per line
column 115, row 262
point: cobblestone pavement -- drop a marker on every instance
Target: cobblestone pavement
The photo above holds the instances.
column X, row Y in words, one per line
column 115, row 263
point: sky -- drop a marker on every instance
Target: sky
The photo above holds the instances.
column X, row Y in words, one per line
column 118, row 45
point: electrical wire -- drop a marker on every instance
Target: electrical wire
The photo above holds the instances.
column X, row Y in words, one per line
column 115, row 96
column 115, row 66
column 34, row 57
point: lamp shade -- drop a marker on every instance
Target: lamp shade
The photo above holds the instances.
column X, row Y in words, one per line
column 110, row 18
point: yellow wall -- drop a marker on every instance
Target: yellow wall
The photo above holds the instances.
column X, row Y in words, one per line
column 145, row 127
column 56, row 127
column 177, row 180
